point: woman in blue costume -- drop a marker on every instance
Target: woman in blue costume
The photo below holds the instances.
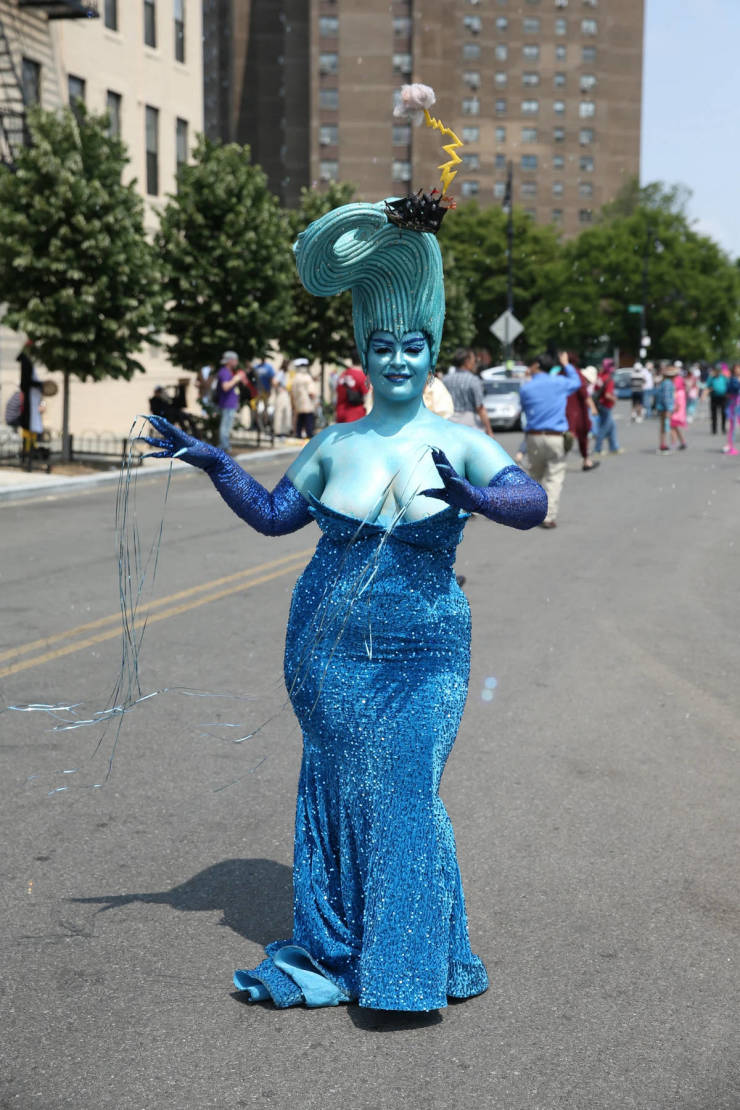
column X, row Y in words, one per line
column 378, row 641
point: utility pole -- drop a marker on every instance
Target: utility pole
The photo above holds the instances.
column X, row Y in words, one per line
column 644, row 337
column 508, row 207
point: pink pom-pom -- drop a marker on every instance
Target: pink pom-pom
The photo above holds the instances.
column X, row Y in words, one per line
column 414, row 98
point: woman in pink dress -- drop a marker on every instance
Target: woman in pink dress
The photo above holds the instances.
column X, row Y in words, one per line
column 678, row 416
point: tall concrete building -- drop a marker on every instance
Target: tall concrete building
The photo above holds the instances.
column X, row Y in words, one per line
column 554, row 86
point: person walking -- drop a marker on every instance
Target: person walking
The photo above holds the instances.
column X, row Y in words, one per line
column 466, row 390
column 544, row 399
column 715, row 387
column 733, row 409
column 605, row 399
column 637, row 385
column 304, row 395
column 228, row 378
column 678, row 416
column 578, row 409
column 665, row 397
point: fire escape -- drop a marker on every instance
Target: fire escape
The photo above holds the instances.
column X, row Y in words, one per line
column 12, row 103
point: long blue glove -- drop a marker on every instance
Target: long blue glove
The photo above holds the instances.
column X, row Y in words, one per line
column 274, row 514
column 512, row 497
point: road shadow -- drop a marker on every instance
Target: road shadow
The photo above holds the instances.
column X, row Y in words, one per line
column 391, row 1021
column 255, row 897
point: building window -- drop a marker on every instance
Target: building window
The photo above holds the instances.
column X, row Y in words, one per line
column 530, row 78
column 179, row 30
column 558, row 135
column 329, row 169
column 401, row 64
column 561, row 3
column 559, row 80
column 30, row 82
column 500, row 106
column 150, row 23
column 472, row 79
column 500, row 161
column 181, row 143
column 590, row 3
column 558, row 161
column 500, row 79
column 329, row 25
column 530, row 52
column 401, row 134
column 588, row 53
column 530, row 107
column 561, row 52
column 500, row 135
column 531, row 26
column 529, row 161
column 529, row 134
column 529, row 189
column 470, row 134
column 472, row 23
column 329, row 134
column 329, row 63
column 470, row 188
column 588, row 81
column 471, row 51
column 471, row 106
column 76, row 93
column 152, row 151
column 401, row 171
column 558, row 107
column 501, row 52
column 113, row 105
column 499, row 190
column 471, row 161
column 329, row 99
column 557, row 215
column 585, row 189
column 557, row 188
column 110, row 15
column 587, row 109
column 561, row 26
column 586, row 136
column 502, row 23
column 586, row 163
column 585, row 216
column 589, row 27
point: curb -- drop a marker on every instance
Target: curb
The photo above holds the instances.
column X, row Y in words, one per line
column 51, row 488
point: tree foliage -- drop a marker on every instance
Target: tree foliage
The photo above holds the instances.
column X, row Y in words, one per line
column 225, row 246
column 76, row 270
column 473, row 241
column 319, row 328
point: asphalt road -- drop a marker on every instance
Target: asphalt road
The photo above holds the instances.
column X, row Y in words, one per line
column 594, row 799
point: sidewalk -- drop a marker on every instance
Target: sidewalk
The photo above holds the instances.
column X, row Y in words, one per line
column 17, row 484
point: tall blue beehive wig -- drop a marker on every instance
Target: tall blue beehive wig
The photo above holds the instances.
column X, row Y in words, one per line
column 395, row 274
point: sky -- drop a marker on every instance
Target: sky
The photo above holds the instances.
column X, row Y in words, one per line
column 691, row 111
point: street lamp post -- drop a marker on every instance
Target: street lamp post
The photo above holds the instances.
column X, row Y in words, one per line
column 508, row 206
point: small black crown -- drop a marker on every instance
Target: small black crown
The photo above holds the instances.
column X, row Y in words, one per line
column 419, row 211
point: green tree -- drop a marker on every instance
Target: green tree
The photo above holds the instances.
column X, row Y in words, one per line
column 224, row 243
column 76, row 271
column 473, row 241
column 649, row 256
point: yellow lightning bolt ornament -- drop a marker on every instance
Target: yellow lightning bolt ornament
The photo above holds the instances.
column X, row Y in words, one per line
column 450, row 148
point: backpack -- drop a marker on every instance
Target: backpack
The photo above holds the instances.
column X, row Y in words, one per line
column 14, row 409
column 353, row 395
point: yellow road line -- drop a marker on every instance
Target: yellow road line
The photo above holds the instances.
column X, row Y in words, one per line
column 115, row 618
column 111, row 633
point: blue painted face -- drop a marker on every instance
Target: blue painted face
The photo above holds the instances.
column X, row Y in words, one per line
column 398, row 368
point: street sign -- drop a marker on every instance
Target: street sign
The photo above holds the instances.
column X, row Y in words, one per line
column 634, row 307
column 507, row 327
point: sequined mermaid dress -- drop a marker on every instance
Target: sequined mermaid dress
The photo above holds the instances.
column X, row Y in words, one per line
column 376, row 664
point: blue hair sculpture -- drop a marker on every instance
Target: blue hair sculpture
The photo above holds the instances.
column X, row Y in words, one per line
column 395, row 274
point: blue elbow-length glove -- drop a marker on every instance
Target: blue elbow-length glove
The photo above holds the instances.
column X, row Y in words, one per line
column 274, row 514
column 512, row 497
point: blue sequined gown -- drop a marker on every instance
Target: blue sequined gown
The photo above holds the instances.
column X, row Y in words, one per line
column 376, row 664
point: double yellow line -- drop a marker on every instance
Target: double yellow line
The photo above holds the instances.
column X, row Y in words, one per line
column 85, row 635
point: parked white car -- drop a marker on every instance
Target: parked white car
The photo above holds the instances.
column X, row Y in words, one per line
column 501, row 400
